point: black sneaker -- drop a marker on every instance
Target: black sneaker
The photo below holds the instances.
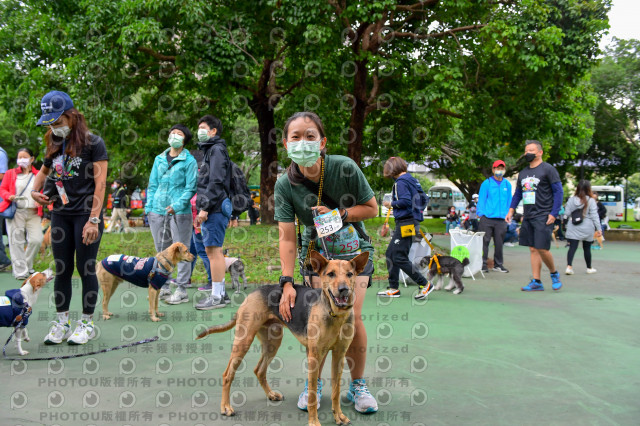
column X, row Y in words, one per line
column 485, row 269
column 500, row 268
column 226, row 299
column 4, row 267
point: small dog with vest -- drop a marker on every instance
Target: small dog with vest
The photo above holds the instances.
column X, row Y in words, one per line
column 146, row 272
column 322, row 320
column 235, row 267
column 447, row 265
column 16, row 305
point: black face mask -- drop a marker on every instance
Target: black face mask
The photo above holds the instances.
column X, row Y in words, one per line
column 529, row 157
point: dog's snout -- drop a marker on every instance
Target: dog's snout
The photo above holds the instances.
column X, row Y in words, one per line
column 343, row 289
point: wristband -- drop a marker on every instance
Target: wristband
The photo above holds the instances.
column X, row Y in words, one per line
column 345, row 215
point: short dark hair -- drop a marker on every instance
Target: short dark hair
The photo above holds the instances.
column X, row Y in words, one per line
column 212, row 122
column 118, row 181
column 25, row 149
column 393, row 167
column 533, row 142
column 183, row 129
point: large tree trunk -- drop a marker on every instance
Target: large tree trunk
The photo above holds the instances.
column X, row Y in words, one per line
column 269, row 158
column 358, row 113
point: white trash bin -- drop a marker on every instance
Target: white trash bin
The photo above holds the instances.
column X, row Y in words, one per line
column 418, row 250
column 472, row 241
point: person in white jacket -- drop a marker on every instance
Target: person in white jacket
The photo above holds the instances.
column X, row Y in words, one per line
column 582, row 211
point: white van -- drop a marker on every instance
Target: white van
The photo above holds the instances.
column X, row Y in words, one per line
column 636, row 210
column 613, row 199
column 441, row 197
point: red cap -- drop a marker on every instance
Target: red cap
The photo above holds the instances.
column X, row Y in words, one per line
column 498, row 163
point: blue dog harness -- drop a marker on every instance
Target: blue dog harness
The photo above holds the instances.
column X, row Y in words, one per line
column 12, row 304
column 139, row 271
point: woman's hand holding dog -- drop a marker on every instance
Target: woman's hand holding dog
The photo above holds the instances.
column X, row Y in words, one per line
column 287, row 301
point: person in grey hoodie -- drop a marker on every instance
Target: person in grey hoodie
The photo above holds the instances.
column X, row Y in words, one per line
column 581, row 226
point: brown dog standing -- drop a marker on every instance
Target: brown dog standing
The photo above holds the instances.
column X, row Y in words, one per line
column 322, row 320
column 151, row 272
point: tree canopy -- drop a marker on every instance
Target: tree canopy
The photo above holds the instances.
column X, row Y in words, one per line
column 450, row 84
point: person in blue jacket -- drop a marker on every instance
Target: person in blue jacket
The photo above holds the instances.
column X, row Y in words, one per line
column 408, row 203
column 493, row 205
column 172, row 184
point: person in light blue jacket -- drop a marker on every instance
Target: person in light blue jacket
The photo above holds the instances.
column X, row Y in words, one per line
column 493, row 205
column 172, row 184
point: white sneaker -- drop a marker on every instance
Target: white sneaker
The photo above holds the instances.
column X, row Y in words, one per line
column 179, row 296
column 509, row 245
column 57, row 333
column 165, row 291
column 591, row 271
column 359, row 394
column 389, row 292
column 569, row 270
column 83, row 333
column 424, row 291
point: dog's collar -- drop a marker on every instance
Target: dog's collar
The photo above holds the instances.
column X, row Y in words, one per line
column 162, row 268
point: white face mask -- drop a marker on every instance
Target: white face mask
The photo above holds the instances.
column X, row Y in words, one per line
column 304, row 153
column 61, row 132
column 175, row 140
column 203, row 135
column 23, row 162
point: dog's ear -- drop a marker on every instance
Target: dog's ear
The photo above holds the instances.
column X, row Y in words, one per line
column 318, row 262
column 174, row 249
column 360, row 262
column 26, row 281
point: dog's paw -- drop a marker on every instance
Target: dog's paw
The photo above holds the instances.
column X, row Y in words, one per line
column 159, row 314
column 226, row 410
column 23, row 352
column 26, row 338
column 106, row 316
column 275, row 396
column 315, row 422
column 154, row 318
column 341, row 419
column 458, row 290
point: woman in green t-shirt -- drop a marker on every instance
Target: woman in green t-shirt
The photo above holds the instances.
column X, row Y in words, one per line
column 296, row 195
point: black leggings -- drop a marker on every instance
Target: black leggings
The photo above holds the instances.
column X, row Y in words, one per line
column 66, row 240
column 573, row 247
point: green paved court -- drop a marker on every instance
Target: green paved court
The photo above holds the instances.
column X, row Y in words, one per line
column 490, row 356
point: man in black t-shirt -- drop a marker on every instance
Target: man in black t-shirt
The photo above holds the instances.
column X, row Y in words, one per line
column 540, row 189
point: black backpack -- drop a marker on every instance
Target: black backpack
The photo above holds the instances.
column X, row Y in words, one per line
column 239, row 191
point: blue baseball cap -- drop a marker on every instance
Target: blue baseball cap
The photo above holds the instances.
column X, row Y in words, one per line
column 53, row 104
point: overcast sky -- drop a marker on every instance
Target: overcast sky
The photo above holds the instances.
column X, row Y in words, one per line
column 623, row 20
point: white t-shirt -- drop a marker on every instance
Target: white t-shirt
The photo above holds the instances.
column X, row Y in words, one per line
column 25, row 201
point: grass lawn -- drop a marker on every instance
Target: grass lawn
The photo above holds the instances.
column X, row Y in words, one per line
column 256, row 245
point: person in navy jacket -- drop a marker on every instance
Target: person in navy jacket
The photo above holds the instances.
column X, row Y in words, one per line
column 493, row 205
column 408, row 203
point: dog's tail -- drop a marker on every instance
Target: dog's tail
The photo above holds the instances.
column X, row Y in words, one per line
column 218, row 328
column 465, row 262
